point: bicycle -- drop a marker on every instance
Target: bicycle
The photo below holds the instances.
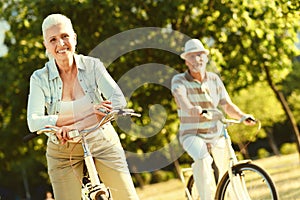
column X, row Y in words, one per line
column 243, row 180
column 92, row 187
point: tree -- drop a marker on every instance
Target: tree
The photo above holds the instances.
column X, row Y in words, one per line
column 246, row 40
column 262, row 37
column 266, row 110
column 291, row 88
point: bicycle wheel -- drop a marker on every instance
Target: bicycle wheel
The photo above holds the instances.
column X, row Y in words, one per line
column 101, row 197
column 252, row 183
column 192, row 189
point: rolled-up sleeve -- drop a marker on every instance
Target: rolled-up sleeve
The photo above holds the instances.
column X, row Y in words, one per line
column 223, row 94
column 36, row 118
column 179, row 92
column 109, row 87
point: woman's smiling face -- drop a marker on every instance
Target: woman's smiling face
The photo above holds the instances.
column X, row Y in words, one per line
column 60, row 41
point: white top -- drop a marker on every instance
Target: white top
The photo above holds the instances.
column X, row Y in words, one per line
column 76, row 108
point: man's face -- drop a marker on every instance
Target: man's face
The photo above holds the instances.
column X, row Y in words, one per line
column 196, row 62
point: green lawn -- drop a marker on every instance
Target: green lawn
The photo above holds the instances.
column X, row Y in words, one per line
column 284, row 170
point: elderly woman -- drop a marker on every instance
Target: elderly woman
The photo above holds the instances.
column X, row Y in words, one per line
column 67, row 93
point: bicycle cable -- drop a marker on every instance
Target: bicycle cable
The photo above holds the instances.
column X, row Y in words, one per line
column 254, row 136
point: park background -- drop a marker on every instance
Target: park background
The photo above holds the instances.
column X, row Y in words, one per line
column 253, row 45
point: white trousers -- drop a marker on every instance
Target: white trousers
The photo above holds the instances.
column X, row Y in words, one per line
column 196, row 147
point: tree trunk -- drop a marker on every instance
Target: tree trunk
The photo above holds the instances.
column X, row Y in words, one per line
column 286, row 108
column 138, row 177
column 272, row 143
column 244, row 150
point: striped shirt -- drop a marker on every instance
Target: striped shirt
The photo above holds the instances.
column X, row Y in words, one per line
column 191, row 95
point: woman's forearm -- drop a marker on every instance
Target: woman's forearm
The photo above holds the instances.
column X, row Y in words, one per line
column 66, row 120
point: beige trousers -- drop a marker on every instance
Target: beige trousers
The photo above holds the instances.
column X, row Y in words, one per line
column 65, row 166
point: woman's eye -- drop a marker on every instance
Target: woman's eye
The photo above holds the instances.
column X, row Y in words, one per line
column 53, row 40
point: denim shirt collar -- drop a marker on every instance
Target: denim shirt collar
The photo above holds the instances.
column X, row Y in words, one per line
column 53, row 71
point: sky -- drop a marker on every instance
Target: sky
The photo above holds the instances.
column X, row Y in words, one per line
column 4, row 26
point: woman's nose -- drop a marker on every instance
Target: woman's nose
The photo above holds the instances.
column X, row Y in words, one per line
column 61, row 42
column 198, row 58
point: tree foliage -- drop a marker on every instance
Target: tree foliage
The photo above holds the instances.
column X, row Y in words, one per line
column 292, row 89
column 263, row 105
column 243, row 38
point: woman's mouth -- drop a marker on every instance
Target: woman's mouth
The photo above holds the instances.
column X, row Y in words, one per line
column 62, row 51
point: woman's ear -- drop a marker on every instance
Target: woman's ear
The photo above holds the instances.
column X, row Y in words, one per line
column 75, row 38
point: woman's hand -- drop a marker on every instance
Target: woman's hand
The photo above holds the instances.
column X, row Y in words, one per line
column 61, row 133
column 103, row 108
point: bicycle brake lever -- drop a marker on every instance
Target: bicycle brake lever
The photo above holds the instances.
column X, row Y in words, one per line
column 125, row 111
column 136, row 114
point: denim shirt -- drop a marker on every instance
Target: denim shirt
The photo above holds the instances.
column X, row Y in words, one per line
column 46, row 86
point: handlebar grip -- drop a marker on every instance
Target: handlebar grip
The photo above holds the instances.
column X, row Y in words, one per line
column 29, row 137
column 248, row 119
column 204, row 112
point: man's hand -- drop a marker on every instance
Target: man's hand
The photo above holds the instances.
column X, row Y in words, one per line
column 248, row 120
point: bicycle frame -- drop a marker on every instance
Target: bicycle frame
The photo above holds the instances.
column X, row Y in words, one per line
column 181, row 174
column 237, row 182
column 96, row 189
column 239, row 187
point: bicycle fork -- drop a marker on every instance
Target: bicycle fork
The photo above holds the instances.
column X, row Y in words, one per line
column 238, row 187
column 98, row 189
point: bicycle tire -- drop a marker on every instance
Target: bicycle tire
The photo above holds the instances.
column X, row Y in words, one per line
column 101, row 197
column 192, row 187
column 252, row 175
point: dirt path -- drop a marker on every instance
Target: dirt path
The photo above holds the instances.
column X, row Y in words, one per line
column 169, row 190
column 284, row 170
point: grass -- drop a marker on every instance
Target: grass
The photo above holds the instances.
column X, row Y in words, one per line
column 284, row 171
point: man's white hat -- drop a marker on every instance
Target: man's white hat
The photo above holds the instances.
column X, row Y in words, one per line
column 193, row 45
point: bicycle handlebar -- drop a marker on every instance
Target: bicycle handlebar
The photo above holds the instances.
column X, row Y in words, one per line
column 30, row 136
column 209, row 113
column 110, row 116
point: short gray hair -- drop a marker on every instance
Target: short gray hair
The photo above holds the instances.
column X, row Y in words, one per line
column 55, row 19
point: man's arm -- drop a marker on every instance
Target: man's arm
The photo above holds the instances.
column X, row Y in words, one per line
column 180, row 94
column 232, row 110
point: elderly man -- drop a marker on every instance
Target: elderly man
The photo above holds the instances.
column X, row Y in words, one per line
column 194, row 91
